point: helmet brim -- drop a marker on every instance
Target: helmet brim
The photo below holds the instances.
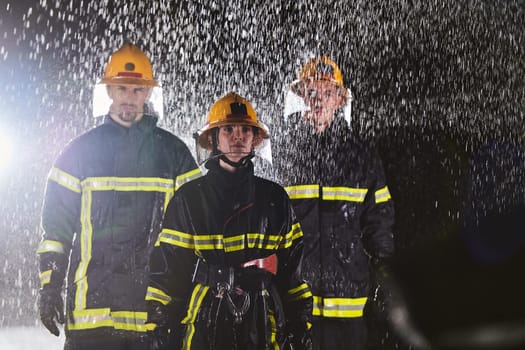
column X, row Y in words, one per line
column 297, row 86
column 129, row 81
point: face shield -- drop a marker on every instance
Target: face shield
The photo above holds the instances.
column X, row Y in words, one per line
column 262, row 150
column 294, row 103
column 102, row 101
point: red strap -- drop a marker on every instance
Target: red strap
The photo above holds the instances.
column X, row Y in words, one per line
column 269, row 263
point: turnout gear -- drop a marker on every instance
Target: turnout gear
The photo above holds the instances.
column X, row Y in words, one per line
column 129, row 66
column 158, row 315
column 340, row 197
column 229, row 225
column 104, row 203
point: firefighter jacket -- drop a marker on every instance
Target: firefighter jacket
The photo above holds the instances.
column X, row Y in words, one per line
column 213, row 226
column 104, row 204
column 338, row 191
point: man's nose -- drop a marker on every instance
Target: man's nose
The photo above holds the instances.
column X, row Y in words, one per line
column 237, row 133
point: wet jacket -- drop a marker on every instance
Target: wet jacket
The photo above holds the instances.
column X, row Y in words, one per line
column 104, row 204
column 342, row 202
column 219, row 222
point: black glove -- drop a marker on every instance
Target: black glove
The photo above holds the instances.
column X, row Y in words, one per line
column 51, row 307
column 158, row 314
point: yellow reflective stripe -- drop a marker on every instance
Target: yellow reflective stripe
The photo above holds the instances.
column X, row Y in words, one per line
column 128, row 184
column 229, row 244
column 273, row 329
column 294, row 234
column 344, row 194
column 338, row 307
column 86, row 233
column 45, row 277
column 382, row 195
column 303, row 191
column 49, row 246
column 64, row 179
column 187, row 177
column 199, row 292
column 300, row 292
column 176, row 238
column 157, row 295
column 188, row 337
column 96, row 318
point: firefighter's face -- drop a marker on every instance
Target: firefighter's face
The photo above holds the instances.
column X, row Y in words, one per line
column 127, row 107
column 235, row 141
column 323, row 99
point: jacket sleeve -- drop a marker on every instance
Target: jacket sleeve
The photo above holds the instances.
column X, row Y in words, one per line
column 60, row 218
column 295, row 292
column 378, row 215
column 173, row 260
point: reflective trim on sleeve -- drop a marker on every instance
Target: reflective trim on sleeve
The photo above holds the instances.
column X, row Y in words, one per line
column 295, row 233
column 300, row 292
column 187, row 177
column 120, row 320
column 303, row 191
column 338, row 307
column 139, row 184
column 157, row 295
column 199, row 292
column 348, row 194
column 64, row 179
column 49, row 246
column 176, row 238
column 382, row 195
column 45, row 277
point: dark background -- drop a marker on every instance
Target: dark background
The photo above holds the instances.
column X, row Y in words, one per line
column 439, row 88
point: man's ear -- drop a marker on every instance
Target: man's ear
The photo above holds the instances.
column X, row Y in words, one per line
column 109, row 91
column 150, row 90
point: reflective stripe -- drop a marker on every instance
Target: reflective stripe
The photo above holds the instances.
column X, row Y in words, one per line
column 340, row 193
column 229, row 244
column 300, row 292
column 45, row 277
column 49, row 246
column 95, row 318
column 382, row 195
column 273, row 328
column 147, row 184
column 187, row 177
column 344, row 194
column 302, row 191
column 64, row 179
column 199, row 292
column 338, row 307
column 157, row 295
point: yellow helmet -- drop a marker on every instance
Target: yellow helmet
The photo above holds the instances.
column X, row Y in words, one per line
column 228, row 110
column 129, row 65
column 319, row 68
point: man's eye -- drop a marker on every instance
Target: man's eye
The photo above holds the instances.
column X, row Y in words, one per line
column 139, row 90
column 228, row 129
column 246, row 129
column 328, row 93
column 311, row 93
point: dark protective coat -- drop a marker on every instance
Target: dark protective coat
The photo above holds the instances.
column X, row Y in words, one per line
column 104, row 204
column 339, row 194
column 223, row 220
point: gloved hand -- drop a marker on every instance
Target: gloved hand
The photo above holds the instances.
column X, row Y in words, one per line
column 51, row 308
column 158, row 314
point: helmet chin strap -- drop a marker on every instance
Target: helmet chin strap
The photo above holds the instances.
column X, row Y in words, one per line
column 242, row 162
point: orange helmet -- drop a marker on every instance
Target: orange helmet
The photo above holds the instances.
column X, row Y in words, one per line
column 129, row 65
column 228, row 110
column 320, row 68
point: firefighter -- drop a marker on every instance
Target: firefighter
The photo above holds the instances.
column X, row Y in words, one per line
column 338, row 192
column 103, row 209
column 228, row 258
